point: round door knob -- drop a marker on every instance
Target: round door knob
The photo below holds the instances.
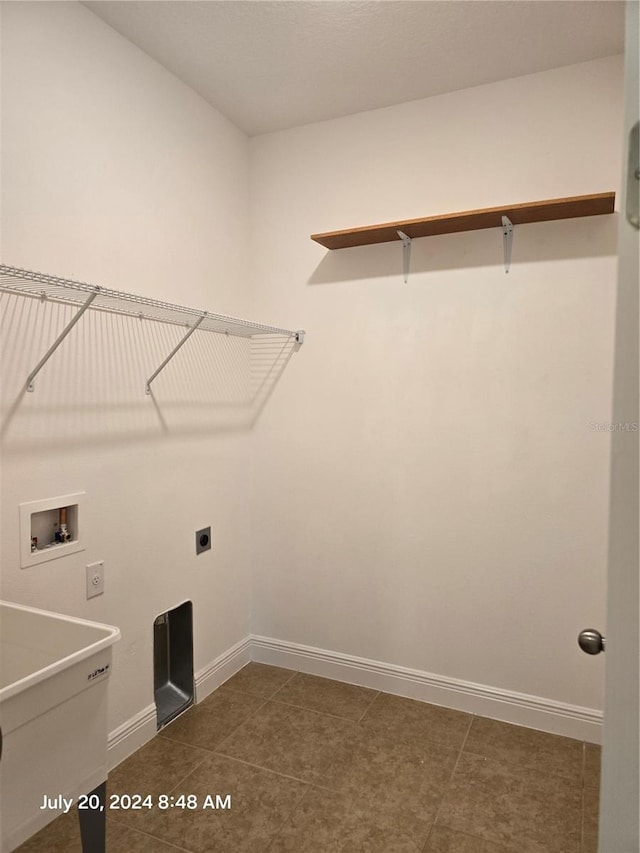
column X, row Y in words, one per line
column 591, row 641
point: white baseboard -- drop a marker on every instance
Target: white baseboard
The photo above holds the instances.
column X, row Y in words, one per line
column 142, row 727
column 131, row 735
column 223, row 667
column 519, row 708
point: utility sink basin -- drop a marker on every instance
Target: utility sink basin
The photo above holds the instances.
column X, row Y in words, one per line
column 54, row 671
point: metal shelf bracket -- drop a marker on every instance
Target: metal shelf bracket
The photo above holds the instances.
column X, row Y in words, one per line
column 54, row 346
column 147, row 387
column 300, row 337
column 633, row 176
column 406, row 254
column 507, row 241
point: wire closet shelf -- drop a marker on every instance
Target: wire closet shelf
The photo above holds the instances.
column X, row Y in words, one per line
column 83, row 296
column 50, row 287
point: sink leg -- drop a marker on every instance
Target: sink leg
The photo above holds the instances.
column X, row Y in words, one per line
column 93, row 823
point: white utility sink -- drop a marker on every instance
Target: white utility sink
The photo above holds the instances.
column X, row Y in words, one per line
column 54, row 671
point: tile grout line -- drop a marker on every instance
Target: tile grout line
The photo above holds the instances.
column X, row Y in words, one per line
column 213, row 751
column 508, row 767
column 334, row 757
column 290, row 815
column 152, row 837
column 309, row 787
column 322, row 713
column 262, row 767
column 368, row 708
column 308, row 711
column 225, row 689
column 193, row 769
column 274, row 698
column 448, row 786
column 294, row 672
column 206, row 749
column 307, row 784
column 239, row 726
column 514, row 768
column 218, row 749
column 466, row 834
column 438, row 743
column 168, row 791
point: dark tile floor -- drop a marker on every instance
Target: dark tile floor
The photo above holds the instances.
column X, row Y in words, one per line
column 317, row 766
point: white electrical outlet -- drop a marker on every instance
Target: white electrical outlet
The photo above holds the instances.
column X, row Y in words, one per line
column 95, row 579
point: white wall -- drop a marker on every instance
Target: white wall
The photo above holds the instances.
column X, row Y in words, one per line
column 116, row 173
column 429, row 491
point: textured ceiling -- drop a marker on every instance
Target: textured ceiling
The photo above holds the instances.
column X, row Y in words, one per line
column 272, row 65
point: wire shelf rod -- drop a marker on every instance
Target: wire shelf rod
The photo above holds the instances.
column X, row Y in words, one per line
column 81, row 295
column 47, row 287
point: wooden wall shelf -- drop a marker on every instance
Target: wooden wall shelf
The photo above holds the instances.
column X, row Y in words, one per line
column 471, row 220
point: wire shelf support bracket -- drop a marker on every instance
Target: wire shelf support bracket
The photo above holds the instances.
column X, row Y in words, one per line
column 54, row 346
column 179, row 345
